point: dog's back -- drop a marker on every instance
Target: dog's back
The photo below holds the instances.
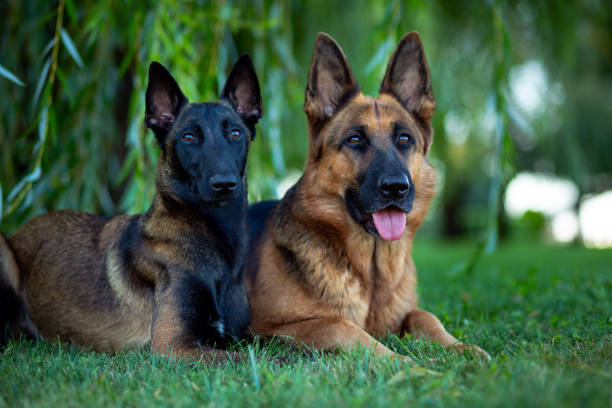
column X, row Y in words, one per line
column 73, row 230
column 72, row 283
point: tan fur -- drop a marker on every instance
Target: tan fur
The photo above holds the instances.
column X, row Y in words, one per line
column 344, row 284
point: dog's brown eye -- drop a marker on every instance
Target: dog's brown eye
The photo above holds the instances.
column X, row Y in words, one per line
column 354, row 140
column 236, row 134
column 404, row 139
column 189, row 137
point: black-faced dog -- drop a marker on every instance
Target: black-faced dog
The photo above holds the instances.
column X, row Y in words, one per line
column 171, row 277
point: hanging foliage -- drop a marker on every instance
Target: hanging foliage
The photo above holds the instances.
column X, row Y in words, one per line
column 73, row 77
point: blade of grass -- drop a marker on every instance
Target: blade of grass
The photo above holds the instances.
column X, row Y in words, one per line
column 254, row 369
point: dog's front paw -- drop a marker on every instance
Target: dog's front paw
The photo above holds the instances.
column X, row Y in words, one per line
column 470, row 349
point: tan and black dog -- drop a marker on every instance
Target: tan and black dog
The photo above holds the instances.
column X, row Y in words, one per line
column 330, row 264
column 172, row 277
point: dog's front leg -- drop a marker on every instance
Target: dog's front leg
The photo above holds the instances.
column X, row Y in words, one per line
column 333, row 334
column 171, row 334
column 424, row 325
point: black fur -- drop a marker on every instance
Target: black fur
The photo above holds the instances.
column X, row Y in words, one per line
column 257, row 216
column 212, row 298
column 13, row 315
column 14, row 319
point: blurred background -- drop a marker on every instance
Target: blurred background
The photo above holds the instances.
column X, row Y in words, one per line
column 523, row 124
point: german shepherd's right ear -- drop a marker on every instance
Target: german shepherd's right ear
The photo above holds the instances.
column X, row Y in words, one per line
column 330, row 81
column 164, row 101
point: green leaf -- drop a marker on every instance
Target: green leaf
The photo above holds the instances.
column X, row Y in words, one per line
column 0, row 201
column 48, row 47
column 10, row 76
column 29, row 178
column 42, row 129
column 125, row 63
column 41, row 80
column 71, row 10
column 74, row 53
column 381, row 55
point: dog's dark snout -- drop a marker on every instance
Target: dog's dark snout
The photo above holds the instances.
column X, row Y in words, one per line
column 224, row 183
column 394, row 186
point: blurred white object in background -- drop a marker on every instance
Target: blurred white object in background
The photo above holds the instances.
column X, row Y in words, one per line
column 564, row 226
column 595, row 216
column 556, row 199
column 539, row 192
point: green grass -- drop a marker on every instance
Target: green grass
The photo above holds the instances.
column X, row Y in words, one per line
column 544, row 314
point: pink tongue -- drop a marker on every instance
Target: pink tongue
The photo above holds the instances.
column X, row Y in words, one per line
column 390, row 223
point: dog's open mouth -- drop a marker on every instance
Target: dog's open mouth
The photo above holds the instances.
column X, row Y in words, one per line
column 388, row 223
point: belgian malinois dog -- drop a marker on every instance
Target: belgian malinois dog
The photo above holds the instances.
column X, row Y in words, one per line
column 330, row 264
column 172, row 277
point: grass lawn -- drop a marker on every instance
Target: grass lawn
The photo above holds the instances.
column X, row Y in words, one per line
column 544, row 314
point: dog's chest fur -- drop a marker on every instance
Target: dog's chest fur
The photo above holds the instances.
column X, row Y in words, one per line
column 370, row 282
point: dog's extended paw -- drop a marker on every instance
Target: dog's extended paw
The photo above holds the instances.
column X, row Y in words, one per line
column 402, row 358
column 416, row 369
column 470, row 349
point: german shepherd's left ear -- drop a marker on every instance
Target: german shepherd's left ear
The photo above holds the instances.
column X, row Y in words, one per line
column 408, row 78
column 164, row 101
column 330, row 81
column 241, row 90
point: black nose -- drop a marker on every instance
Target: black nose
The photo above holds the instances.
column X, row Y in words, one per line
column 224, row 183
column 394, row 186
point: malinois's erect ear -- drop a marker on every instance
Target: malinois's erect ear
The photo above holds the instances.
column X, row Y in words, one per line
column 241, row 90
column 330, row 81
column 408, row 78
column 164, row 101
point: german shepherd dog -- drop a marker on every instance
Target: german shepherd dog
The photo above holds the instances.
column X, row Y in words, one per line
column 172, row 277
column 329, row 265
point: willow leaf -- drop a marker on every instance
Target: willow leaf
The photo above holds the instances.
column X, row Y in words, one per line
column 74, row 53
column 29, row 178
column 41, row 80
column 10, row 76
column 48, row 47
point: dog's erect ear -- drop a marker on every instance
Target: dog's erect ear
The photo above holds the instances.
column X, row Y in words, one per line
column 164, row 101
column 242, row 90
column 330, row 80
column 408, row 78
